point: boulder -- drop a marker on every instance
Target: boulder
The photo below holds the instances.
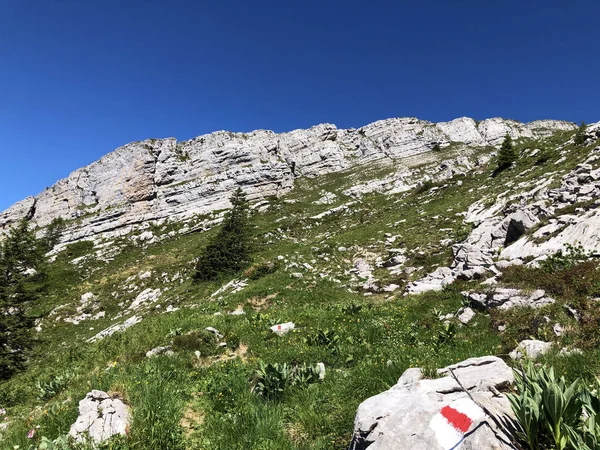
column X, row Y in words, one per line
column 435, row 281
column 466, row 315
column 100, row 418
column 530, row 348
column 467, row 256
column 421, row 414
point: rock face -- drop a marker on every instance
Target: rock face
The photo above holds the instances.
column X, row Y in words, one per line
column 162, row 179
column 100, row 418
column 419, row 414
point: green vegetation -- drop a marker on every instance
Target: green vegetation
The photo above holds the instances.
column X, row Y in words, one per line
column 53, row 233
column 552, row 413
column 507, row 154
column 197, row 340
column 21, row 278
column 272, row 381
column 579, row 138
column 230, row 250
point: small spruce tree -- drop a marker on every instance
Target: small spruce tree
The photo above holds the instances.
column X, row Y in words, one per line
column 507, row 154
column 21, row 281
column 580, row 134
column 231, row 249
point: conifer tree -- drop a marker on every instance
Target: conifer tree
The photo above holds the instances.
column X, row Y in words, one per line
column 231, row 249
column 507, row 154
column 21, row 280
column 580, row 134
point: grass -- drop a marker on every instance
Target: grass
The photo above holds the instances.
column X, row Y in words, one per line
column 365, row 342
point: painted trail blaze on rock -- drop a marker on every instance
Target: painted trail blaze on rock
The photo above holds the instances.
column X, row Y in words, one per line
column 454, row 421
column 458, row 420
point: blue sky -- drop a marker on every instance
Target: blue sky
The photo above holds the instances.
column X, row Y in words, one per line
column 79, row 78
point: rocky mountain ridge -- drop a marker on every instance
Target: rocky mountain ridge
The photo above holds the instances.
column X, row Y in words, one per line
column 162, row 179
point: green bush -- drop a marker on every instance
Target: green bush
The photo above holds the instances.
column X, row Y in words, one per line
column 543, row 156
column 233, row 342
column 60, row 443
column 203, row 341
column 445, row 335
column 351, row 310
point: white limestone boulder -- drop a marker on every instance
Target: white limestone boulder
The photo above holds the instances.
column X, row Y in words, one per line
column 100, row 418
column 421, row 414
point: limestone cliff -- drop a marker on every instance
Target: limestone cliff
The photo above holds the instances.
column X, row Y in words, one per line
column 159, row 179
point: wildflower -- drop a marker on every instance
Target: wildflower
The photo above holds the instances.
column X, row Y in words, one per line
column 2, row 412
column 31, row 434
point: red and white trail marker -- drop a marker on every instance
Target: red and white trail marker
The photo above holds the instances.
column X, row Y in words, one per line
column 454, row 421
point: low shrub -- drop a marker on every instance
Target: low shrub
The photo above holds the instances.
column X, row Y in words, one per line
column 201, row 340
column 567, row 279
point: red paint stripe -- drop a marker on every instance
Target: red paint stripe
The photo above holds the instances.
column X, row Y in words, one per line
column 458, row 420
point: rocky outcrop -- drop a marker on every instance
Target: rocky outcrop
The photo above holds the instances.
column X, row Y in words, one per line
column 581, row 186
column 100, row 418
column 500, row 236
column 162, row 179
column 506, row 298
column 421, row 414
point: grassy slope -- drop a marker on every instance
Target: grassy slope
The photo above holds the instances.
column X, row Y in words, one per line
column 186, row 402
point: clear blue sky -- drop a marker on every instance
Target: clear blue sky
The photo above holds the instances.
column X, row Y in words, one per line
column 79, row 78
